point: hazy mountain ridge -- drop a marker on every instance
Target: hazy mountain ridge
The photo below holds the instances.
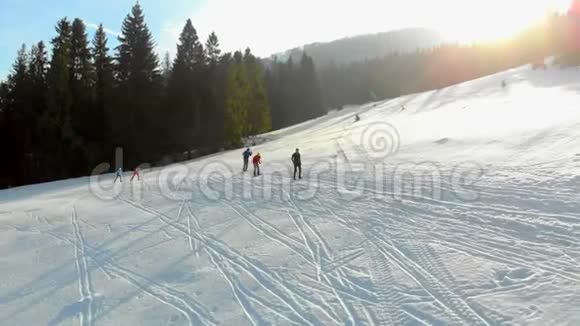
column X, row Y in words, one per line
column 367, row 46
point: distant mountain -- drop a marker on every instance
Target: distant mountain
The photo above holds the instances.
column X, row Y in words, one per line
column 369, row 46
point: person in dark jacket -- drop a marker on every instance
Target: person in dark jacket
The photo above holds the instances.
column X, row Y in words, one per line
column 247, row 154
column 297, row 161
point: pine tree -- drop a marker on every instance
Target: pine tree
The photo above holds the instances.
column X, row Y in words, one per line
column 258, row 118
column 80, row 55
column 186, row 89
column 103, row 72
column 3, row 99
column 190, row 55
column 6, row 179
column 273, row 82
column 139, row 88
column 19, row 81
column 294, row 92
column 237, row 102
column 282, row 93
column 3, row 105
column 56, row 122
column 310, row 90
column 212, row 49
column 217, row 77
column 38, row 70
column 137, row 61
column 166, row 68
column 59, row 75
column 18, row 111
column 85, row 120
column 103, row 91
column 39, row 64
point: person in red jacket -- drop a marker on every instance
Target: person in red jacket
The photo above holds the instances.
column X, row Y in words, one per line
column 136, row 173
column 257, row 160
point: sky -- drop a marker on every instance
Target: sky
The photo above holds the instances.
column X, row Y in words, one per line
column 268, row 26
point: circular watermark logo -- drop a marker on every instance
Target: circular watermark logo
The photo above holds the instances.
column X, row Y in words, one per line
column 380, row 140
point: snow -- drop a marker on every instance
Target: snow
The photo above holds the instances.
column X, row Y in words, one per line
column 461, row 208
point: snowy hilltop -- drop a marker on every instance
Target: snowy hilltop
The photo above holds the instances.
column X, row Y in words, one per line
column 459, row 206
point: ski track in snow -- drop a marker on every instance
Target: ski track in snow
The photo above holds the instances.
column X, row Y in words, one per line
column 85, row 286
column 353, row 254
column 188, row 307
column 277, row 288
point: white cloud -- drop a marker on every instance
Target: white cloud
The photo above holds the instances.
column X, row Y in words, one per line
column 107, row 30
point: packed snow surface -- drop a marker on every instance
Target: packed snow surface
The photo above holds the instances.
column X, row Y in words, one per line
column 454, row 207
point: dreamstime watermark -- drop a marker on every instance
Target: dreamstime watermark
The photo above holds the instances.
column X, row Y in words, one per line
column 364, row 166
column 379, row 140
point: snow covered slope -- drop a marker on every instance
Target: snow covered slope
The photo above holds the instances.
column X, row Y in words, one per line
column 460, row 206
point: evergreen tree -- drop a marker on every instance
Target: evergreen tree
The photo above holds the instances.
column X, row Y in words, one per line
column 258, row 119
column 19, row 82
column 310, row 90
column 81, row 67
column 274, row 87
column 212, row 49
column 237, row 102
column 166, row 68
column 39, row 65
column 103, row 95
column 17, row 110
column 3, row 98
column 139, row 88
column 186, row 89
column 85, row 120
column 38, row 70
column 103, row 83
column 6, row 179
column 56, row 122
column 190, row 54
column 137, row 62
column 217, row 98
column 294, row 92
column 102, row 61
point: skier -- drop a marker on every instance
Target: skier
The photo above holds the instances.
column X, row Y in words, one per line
column 119, row 175
column 297, row 163
column 356, row 118
column 257, row 161
column 247, row 153
column 136, row 173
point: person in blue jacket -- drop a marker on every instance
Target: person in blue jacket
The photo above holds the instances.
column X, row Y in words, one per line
column 119, row 175
column 247, row 154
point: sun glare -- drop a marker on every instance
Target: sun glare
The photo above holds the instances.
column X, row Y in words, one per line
column 327, row 20
column 492, row 20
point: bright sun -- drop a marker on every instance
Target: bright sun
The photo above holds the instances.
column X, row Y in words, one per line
column 307, row 21
column 472, row 21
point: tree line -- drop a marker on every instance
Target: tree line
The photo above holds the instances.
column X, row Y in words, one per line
column 63, row 114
